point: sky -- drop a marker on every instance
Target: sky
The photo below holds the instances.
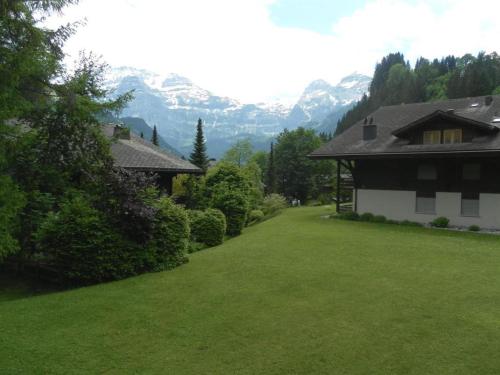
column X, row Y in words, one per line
column 269, row 50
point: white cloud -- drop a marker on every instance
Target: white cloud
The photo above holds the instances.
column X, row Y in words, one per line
column 232, row 48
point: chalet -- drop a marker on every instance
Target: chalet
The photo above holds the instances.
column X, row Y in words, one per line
column 424, row 160
column 135, row 153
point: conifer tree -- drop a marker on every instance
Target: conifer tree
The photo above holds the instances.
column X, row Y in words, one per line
column 154, row 138
column 142, row 135
column 199, row 155
column 271, row 172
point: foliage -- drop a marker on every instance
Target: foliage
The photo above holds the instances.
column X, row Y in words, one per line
column 253, row 174
column 82, row 245
column 255, row 216
column 367, row 216
column 240, row 153
column 207, row 227
column 409, row 223
column 297, row 176
column 349, row 215
column 271, row 172
column 273, row 203
column 234, row 204
column 199, row 155
column 379, row 219
column 154, row 138
column 440, row 222
column 170, row 237
column 12, row 201
column 395, row 82
column 474, row 228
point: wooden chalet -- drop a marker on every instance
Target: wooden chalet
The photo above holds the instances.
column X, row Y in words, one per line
column 424, row 160
column 135, row 153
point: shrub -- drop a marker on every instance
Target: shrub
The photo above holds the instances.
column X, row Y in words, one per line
column 410, row 223
column 12, row 201
column 474, row 228
column 273, row 203
column 82, row 246
column 207, row 227
column 367, row 216
column 234, row 205
column 255, row 216
column 349, row 215
column 195, row 247
column 170, row 234
column 390, row 221
column 440, row 222
column 379, row 219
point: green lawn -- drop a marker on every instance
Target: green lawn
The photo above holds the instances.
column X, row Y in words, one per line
column 297, row 294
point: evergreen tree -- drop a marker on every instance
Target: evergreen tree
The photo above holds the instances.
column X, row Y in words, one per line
column 199, row 155
column 271, row 172
column 142, row 135
column 154, row 138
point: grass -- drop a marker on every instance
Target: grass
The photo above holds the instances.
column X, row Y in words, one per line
column 297, row 294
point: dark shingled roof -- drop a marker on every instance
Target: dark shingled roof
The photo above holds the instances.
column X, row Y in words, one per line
column 396, row 119
column 139, row 154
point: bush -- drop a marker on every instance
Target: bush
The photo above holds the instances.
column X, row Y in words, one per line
column 350, row 215
column 170, row 235
column 367, row 216
column 474, row 228
column 82, row 246
column 440, row 222
column 207, row 227
column 273, row 203
column 410, row 223
column 255, row 216
column 234, row 205
column 195, row 247
column 379, row 219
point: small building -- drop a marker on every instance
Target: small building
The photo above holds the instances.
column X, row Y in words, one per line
column 135, row 153
column 424, row 160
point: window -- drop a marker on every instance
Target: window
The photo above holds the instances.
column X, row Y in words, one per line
column 426, row 202
column 426, row 172
column 452, row 136
column 432, row 137
column 470, row 204
column 471, row 172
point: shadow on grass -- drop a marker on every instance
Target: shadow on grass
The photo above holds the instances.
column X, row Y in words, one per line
column 14, row 287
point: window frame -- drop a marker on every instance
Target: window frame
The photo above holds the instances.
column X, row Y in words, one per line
column 431, row 133
column 470, row 196
column 427, row 194
column 454, row 139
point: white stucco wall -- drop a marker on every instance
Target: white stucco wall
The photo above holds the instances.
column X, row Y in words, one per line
column 400, row 205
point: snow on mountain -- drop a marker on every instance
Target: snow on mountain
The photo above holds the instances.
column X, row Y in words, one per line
column 174, row 103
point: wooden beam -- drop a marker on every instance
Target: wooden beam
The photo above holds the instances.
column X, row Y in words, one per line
column 338, row 186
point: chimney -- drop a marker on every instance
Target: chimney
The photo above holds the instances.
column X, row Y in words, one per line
column 488, row 100
column 121, row 132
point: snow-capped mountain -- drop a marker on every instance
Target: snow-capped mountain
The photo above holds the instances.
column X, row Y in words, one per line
column 174, row 103
column 320, row 98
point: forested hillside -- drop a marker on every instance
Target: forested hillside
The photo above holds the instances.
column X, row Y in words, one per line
column 395, row 81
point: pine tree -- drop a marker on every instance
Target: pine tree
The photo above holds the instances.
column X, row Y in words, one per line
column 271, row 172
column 154, row 138
column 142, row 135
column 199, row 155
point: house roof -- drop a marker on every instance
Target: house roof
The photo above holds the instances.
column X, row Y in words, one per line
column 139, row 154
column 393, row 121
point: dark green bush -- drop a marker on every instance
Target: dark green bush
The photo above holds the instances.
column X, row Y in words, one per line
column 410, row 223
column 273, row 203
column 367, row 216
column 440, row 222
column 234, row 205
column 255, row 216
column 83, row 247
column 195, row 247
column 207, row 227
column 349, row 215
column 379, row 219
column 474, row 228
column 170, row 234
column 390, row 221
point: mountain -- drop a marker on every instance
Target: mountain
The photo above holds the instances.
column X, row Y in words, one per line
column 138, row 126
column 174, row 103
column 321, row 100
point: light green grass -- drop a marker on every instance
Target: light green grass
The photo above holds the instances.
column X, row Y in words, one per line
column 294, row 295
